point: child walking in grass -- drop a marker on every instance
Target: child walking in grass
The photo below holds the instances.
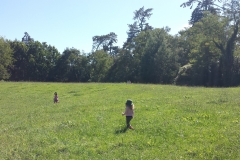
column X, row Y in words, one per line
column 55, row 99
column 129, row 112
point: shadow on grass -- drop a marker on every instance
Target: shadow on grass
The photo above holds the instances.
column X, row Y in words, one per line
column 122, row 130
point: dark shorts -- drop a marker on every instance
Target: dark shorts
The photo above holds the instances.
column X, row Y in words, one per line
column 128, row 119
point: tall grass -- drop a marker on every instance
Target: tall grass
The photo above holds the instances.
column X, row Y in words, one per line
column 170, row 122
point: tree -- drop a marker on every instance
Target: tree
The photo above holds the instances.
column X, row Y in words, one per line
column 159, row 63
column 34, row 61
column 20, row 65
column 223, row 32
column 202, row 5
column 39, row 61
column 67, row 67
column 140, row 24
column 138, row 51
column 212, row 43
column 140, row 17
column 82, row 69
column 123, row 68
column 128, row 64
column 203, row 65
column 100, row 62
column 227, row 43
column 105, row 42
column 51, row 58
column 6, row 59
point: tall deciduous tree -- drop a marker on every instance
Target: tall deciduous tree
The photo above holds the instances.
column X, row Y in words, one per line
column 6, row 59
column 140, row 24
column 123, row 68
column 225, row 37
column 159, row 63
column 34, row 61
column 105, row 42
column 202, row 5
column 227, row 43
column 100, row 62
column 51, row 58
column 39, row 65
column 203, row 65
column 20, row 65
column 67, row 66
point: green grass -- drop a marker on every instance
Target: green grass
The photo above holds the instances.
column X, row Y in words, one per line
column 170, row 122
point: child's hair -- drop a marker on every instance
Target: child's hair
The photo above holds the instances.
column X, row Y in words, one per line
column 130, row 104
column 55, row 93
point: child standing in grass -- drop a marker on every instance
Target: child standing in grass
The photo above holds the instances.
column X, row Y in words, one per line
column 55, row 99
column 129, row 112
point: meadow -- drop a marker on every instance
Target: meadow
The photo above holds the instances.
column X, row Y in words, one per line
column 171, row 122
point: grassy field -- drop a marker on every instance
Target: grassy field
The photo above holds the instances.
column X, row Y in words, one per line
column 170, row 122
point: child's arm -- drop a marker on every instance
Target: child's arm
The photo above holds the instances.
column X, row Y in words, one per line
column 124, row 113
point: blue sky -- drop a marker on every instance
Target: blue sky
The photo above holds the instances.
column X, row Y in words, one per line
column 73, row 23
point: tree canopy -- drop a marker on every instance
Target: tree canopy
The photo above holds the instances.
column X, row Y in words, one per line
column 206, row 54
column 6, row 59
column 202, row 5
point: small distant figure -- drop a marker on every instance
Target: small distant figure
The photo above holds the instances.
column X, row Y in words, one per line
column 55, row 99
column 129, row 113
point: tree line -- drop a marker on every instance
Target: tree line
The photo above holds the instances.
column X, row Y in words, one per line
column 206, row 54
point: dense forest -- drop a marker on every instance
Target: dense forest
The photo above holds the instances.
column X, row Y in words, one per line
column 206, row 54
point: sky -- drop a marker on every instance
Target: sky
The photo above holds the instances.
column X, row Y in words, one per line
column 73, row 23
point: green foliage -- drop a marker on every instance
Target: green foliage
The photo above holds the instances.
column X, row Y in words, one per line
column 158, row 65
column 100, row 64
column 136, row 54
column 203, row 54
column 106, row 42
column 139, row 25
column 122, row 69
column 20, row 65
column 219, row 32
column 51, row 59
column 72, row 66
column 170, row 122
column 6, row 59
column 33, row 61
column 202, row 6
column 206, row 54
column 37, row 67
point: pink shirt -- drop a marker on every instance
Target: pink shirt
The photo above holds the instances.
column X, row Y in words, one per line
column 129, row 112
column 55, row 98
